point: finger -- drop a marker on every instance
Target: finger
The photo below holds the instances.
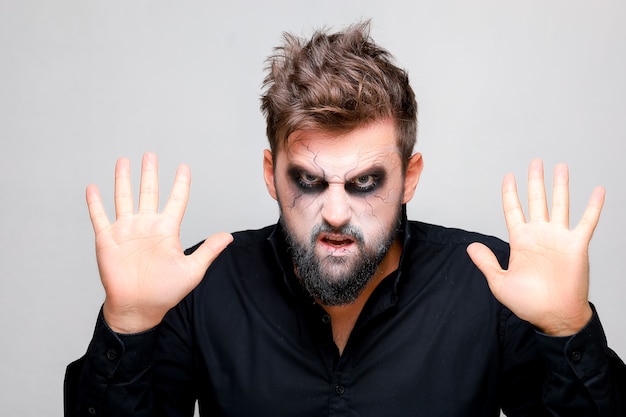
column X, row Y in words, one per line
column 149, row 184
column 537, row 202
column 179, row 196
column 209, row 250
column 591, row 216
column 513, row 213
column 487, row 263
column 123, row 189
column 97, row 214
column 560, row 196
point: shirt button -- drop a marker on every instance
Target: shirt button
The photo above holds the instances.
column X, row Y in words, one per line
column 91, row 411
column 576, row 356
column 326, row 319
column 111, row 354
column 339, row 389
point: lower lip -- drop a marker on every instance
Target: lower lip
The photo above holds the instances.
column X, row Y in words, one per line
column 336, row 250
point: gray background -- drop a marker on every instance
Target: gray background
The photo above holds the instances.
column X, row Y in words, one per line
column 85, row 82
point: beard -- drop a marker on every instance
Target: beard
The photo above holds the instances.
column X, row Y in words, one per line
column 339, row 280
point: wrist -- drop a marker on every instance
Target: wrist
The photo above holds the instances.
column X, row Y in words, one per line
column 567, row 326
column 129, row 321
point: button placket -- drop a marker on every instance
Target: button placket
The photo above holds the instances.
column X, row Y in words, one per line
column 111, row 354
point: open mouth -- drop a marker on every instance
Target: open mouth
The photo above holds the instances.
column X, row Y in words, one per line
column 334, row 242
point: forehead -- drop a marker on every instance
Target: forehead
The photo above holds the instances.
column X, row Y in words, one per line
column 372, row 144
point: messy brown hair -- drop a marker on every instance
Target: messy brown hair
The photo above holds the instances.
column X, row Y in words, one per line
column 336, row 82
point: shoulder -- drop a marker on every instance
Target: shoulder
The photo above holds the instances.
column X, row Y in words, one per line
column 437, row 274
column 243, row 239
column 432, row 234
column 250, row 253
column 248, row 265
column 449, row 244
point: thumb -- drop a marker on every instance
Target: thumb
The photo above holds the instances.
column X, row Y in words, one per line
column 210, row 249
column 486, row 262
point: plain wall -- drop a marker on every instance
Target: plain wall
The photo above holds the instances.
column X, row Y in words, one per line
column 85, row 82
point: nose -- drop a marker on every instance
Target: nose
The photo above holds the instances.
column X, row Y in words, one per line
column 336, row 210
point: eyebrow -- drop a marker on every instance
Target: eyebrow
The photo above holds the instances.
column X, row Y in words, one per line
column 294, row 168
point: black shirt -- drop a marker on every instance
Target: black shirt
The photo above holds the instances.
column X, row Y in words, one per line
column 431, row 341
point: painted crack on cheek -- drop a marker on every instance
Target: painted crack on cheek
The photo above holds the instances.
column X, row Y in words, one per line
column 367, row 214
column 299, row 201
column 295, row 200
column 385, row 199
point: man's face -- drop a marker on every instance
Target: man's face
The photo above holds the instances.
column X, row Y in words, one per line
column 340, row 198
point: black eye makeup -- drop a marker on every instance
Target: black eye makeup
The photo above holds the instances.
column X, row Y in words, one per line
column 366, row 183
column 363, row 183
column 306, row 181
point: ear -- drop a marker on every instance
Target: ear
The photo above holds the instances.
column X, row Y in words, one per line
column 412, row 177
column 268, row 173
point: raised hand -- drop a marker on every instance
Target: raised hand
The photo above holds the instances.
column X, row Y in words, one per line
column 141, row 262
column 547, row 280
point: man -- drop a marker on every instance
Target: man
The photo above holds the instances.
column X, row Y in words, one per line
column 344, row 307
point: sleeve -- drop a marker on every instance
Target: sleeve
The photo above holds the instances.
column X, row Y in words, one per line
column 113, row 378
column 583, row 373
column 560, row 376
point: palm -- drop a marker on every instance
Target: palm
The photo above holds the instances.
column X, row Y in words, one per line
column 147, row 257
column 141, row 262
column 547, row 280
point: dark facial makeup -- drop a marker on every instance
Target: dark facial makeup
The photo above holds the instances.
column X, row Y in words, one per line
column 366, row 182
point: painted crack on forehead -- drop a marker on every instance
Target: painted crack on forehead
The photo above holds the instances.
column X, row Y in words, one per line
column 288, row 150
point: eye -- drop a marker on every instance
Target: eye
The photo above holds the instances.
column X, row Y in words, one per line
column 364, row 183
column 308, row 181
